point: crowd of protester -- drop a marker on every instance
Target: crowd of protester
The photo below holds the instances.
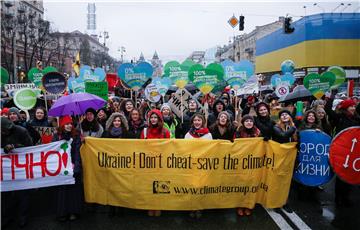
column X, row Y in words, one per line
column 254, row 116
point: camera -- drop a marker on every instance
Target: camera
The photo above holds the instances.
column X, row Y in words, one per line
column 161, row 187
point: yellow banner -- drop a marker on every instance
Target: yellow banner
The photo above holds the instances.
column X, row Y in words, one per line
column 187, row 174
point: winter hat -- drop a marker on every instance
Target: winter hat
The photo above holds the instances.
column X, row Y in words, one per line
column 64, row 120
column 91, row 110
column 165, row 105
column 346, row 104
column 284, row 111
column 15, row 110
column 246, row 117
column 4, row 111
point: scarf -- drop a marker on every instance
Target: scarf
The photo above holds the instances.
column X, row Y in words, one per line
column 136, row 124
column 197, row 133
column 116, row 132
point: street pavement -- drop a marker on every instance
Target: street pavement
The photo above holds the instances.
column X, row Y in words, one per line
column 308, row 214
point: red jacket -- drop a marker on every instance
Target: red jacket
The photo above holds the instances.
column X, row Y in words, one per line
column 155, row 132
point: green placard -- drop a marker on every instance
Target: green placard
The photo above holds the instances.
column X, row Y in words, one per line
column 25, row 99
column 35, row 76
column 317, row 84
column 99, row 89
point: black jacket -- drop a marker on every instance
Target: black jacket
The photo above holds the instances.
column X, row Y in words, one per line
column 265, row 125
column 283, row 136
column 216, row 135
column 134, row 133
column 17, row 136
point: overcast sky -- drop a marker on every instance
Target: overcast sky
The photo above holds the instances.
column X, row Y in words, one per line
column 176, row 28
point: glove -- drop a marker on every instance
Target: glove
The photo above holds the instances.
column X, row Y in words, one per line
column 8, row 148
column 266, row 138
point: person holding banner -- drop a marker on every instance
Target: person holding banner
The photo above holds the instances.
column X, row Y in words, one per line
column 247, row 129
column 345, row 117
column 223, row 128
column 70, row 197
column 14, row 136
column 310, row 121
column 198, row 128
column 116, row 127
column 170, row 122
column 284, row 130
column 136, row 124
column 155, row 130
column 263, row 120
column 90, row 126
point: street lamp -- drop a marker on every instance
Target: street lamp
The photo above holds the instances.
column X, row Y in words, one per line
column 122, row 50
column 106, row 36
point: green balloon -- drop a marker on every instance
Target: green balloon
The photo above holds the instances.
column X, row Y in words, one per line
column 49, row 69
column 4, row 76
column 35, row 76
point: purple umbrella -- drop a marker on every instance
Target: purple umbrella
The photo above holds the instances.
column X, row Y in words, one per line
column 76, row 104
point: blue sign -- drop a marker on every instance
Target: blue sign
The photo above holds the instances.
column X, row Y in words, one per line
column 135, row 76
column 54, row 82
column 236, row 74
column 278, row 79
column 313, row 167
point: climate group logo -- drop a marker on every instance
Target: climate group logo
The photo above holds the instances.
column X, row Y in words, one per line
column 161, row 187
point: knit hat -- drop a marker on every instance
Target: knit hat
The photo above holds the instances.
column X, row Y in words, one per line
column 346, row 104
column 246, row 117
column 165, row 105
column 4, row 111
column 15, row 110
column 91, row 110
column 64, row 120
column 284, row 111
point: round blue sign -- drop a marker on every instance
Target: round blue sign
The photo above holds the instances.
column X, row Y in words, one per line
column 313, row 167
column 54, row 82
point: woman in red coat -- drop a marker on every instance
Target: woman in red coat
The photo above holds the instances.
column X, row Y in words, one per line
column 155, row 130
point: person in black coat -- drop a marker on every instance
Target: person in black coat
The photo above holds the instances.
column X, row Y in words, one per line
column 136, row 124
column 263, row 120
column 344, row 118
column 70, row 197
column 15, row 117
column 14, row 136
column 222, row 129
column 284, row 131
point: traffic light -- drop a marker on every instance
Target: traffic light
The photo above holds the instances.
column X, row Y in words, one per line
column 241, row 23
column 288, row 29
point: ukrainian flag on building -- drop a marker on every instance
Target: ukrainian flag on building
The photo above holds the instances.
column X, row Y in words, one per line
column 320, row 40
